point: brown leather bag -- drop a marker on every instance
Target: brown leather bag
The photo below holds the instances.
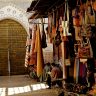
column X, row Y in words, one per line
column 76, row 16
column 85, row 50
column 76, row 21
column 57, row 39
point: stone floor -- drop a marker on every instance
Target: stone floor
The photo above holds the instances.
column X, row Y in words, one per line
column 22, row 85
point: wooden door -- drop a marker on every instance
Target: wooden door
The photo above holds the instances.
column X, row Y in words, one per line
column 15, row 47
column 3, row 48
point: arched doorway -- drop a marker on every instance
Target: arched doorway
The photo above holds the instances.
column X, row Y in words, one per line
column 12, row 47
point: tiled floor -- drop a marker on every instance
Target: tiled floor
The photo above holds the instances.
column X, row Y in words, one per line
column 22, row 85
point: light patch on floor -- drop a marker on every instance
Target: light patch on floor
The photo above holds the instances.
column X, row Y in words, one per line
column 2, row 91
column 17, row 90
column 39, row 86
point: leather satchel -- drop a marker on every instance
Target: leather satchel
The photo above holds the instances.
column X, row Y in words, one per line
column 57, row 39
column 85, row 50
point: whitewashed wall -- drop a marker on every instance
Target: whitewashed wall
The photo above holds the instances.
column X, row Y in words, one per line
column 12, row 12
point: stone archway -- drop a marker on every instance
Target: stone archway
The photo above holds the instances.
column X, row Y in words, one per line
column 12, row 47
column 13, row 12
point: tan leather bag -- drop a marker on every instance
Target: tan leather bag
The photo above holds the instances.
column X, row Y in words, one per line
column 94, row 5
column 89, row 13
column 65, row 22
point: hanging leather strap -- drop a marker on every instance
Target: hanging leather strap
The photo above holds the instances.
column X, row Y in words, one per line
column 54, row 18
column 65, row 23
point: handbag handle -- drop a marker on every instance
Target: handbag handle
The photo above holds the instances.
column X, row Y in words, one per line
column 85, row 41
column 66, row 20
column 79, row 2
column 66, row 12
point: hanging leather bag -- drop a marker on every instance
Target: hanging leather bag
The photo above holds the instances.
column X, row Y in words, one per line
column 89, row 13
column 43, row 39
column 57, row 39
column 85, row 50
column 76, row 16
column 94, row 5
column 65, row 23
